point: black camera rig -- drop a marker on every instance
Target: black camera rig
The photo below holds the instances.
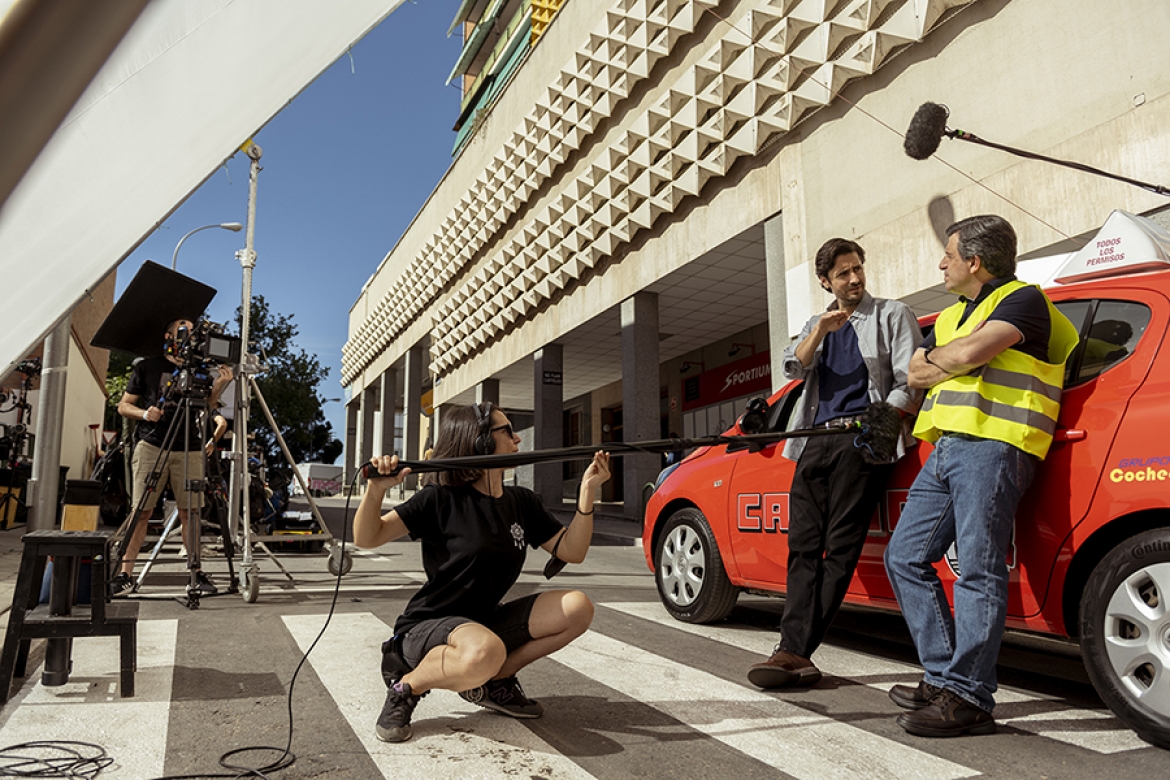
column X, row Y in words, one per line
column 198, row 350
column 206, row 344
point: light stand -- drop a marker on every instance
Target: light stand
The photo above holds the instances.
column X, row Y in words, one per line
column 246, row 387
column 238, row 483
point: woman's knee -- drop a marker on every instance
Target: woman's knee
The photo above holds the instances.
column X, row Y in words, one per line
column 578, row 610
column 478, row 648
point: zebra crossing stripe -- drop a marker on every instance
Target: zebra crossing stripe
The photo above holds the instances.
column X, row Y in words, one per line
column 871, row 670
column 1043, row 716
column 407, row 589
column 451, row 737
column 794, row 740
column 89, row 708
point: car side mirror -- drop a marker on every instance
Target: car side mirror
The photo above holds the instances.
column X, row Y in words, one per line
column 755, row 419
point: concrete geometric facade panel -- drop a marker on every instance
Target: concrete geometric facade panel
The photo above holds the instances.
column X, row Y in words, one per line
column 756, row 76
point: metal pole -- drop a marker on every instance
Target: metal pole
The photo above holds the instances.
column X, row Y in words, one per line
column 248, row 364
column 46, row 468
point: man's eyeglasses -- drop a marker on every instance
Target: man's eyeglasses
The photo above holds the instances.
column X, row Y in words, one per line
column 507, row 428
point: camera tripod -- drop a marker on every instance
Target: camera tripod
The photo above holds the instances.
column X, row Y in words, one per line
column 187, row 408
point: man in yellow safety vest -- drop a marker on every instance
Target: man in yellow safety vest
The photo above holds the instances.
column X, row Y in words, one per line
column 993, row 369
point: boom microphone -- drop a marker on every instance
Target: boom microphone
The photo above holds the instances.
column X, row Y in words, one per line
column 926, row 130
column 876, row 434
column 929, row 125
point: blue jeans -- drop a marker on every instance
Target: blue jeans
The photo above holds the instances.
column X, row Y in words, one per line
column 966, row 494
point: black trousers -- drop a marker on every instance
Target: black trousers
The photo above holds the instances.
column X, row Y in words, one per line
column 834, row 493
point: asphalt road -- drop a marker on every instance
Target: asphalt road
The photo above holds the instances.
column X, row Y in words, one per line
column 639, row 695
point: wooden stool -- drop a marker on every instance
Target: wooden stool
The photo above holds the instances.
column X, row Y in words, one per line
column 60, row 621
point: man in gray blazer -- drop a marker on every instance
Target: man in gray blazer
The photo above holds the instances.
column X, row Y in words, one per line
column 856, row 352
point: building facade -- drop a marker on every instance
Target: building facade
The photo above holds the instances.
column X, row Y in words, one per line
column 625, row 239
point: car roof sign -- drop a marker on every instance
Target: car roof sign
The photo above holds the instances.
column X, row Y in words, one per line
column 1125, row 244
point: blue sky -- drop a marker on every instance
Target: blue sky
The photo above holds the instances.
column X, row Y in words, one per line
column 346, row 166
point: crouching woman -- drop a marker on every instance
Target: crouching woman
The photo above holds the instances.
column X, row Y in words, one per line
column 457, row 632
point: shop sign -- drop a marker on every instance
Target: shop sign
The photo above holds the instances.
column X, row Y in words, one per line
column 752, row 374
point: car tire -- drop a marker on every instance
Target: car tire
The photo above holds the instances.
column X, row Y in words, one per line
column 692, row 582
column 1125, row 633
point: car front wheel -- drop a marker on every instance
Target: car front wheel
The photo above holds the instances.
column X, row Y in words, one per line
column 1125, row 633
column 692, row 582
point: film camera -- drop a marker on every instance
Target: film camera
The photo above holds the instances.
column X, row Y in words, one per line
column 200, row 349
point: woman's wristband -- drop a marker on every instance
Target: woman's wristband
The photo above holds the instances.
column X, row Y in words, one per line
column 584, row 513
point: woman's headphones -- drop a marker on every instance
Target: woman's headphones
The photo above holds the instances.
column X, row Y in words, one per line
column 485, row 443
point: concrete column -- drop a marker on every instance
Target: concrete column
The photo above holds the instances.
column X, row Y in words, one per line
column 801, row 290
column 412, row 408
column 640, row 407
column 369, row 405
column 777, row 274
column 488, row 391
column 388, row 395
column 46, row 468
column 548, row 406
column 351, row 438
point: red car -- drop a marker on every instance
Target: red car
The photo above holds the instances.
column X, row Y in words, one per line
column 1091, row 552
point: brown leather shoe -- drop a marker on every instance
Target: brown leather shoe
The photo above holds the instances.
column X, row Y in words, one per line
column 947, row 715
column 784, row 670
column 913, row 697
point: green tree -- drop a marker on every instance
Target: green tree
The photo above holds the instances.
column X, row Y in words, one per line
column 117, row 376
column 290, row 386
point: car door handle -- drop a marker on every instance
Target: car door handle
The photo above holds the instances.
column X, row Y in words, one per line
column 1069, row 434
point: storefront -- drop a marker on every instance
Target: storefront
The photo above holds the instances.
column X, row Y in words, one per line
column 714, row 399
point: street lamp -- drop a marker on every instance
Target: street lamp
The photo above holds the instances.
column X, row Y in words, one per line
column 235, row 227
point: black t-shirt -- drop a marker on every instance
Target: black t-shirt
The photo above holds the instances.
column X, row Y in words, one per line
column 149, row 380
column 472, row 548
column 1025, row 309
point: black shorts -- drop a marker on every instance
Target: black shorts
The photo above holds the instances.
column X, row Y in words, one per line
column 509, row 623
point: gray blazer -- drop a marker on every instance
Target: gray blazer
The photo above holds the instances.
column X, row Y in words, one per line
column 887, row 335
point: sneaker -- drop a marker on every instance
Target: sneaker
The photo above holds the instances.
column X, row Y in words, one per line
column 203, row 585
column 121, row 585
column 784, row 670
column 913, row 697
column 947, row 715
column 394, row 722
column 504, row 695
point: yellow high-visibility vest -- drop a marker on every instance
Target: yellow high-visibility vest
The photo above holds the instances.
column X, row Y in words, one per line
column 1015, row 398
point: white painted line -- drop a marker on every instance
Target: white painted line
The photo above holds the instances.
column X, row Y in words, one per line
column 1066, row 725
column 451, row 737
column 88, row 708
column 409, row 588
column 863, row 668
column 796, row 741
column 832, row 660
column 282, row 587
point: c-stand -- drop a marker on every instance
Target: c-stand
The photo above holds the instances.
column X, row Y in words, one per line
column 247, row 389
column 191, row 405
